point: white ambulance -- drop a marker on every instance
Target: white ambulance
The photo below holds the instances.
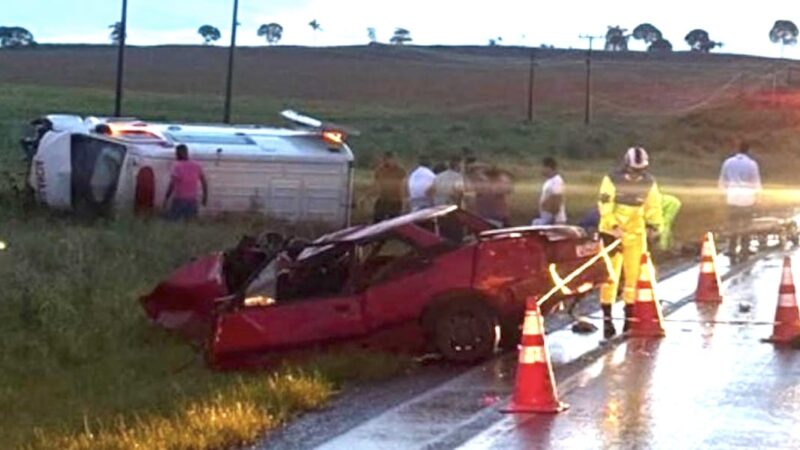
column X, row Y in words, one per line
column 108, row 166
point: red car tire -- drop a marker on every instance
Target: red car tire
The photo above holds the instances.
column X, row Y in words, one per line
column 465, row 330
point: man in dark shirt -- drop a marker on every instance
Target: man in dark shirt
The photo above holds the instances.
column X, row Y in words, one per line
column 492, row 199
column 389, row 180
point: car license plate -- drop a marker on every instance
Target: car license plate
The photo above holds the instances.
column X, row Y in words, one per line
column 587, row 249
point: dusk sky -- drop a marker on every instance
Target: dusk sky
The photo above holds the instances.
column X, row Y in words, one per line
column 743, row 28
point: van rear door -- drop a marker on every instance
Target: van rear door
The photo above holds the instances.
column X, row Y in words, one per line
column 50, row 171
column 96, row 165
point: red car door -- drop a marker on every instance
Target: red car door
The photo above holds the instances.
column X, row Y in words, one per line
column 397, row 289
column 288, row 324
column 317, row 305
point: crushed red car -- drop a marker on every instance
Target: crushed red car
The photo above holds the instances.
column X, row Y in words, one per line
column 442, row 273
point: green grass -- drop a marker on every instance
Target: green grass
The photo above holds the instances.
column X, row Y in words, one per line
column 85, row 370
column 79, row 362
column 82, row 368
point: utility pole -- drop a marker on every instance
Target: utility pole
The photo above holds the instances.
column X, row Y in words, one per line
column 229, row 83
column 588, row 106
column 531, row 78
column 123, row 25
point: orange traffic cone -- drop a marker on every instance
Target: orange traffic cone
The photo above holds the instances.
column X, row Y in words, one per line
column 646, row 321
column 787, row 316
column 535, row 387
column 708, row 282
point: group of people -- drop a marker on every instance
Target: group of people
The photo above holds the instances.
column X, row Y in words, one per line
column 630, row 206
column 463, row 181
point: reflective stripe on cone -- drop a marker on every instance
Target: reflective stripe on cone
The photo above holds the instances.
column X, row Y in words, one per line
column 708, row 282
column 647, row 319
column 787, row 316
column 534, row 387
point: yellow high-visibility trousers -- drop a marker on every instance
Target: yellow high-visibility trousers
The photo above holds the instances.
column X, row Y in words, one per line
column 628, row 260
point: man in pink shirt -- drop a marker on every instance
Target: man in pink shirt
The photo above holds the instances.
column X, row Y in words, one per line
column 186, row 177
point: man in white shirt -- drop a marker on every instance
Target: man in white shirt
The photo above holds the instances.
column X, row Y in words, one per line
column 740, row 180
column 552, row 207
column 419, row 185
column 448, row 187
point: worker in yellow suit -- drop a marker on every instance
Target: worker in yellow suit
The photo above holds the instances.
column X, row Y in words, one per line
column 670, row 207
column 629, row 204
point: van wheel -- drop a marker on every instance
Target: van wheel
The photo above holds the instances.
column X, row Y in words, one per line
column 466, row 331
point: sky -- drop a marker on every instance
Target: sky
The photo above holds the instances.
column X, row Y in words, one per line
column 743, row 28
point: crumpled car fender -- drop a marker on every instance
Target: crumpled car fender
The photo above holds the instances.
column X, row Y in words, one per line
column 185, row 300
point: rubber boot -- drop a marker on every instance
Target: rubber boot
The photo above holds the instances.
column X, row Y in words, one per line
column 628, row 318
column 608, row 325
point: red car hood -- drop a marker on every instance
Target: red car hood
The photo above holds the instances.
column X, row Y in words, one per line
column 185, row 300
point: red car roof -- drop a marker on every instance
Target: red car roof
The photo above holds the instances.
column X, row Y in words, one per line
column 363, row 232
column 358, row 233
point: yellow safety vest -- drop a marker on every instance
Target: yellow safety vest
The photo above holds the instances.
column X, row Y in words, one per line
column 629, row 203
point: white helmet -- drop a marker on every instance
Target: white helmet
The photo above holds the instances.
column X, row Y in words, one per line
column 636, row 158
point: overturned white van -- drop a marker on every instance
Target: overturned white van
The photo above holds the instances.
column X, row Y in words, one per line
column 107, row 166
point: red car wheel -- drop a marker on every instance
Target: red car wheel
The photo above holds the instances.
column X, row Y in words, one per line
column 466, row 331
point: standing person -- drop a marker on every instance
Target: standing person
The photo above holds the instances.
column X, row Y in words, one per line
column 388, row 178
column 186, row 177
column 629, row 205
column 740, row 179
column 471, row 172
column 552, row 208
column 448, row 186
column 492, row 197
column 670, row 207
column 419, row 183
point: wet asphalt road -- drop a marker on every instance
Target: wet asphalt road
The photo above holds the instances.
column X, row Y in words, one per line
column 708, row 384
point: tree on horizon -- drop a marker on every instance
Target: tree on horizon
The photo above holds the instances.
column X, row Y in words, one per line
column 401, row 36
column 15, row 37
column 784, row 32
column 661, row 45
column 116, row 32
column 616, row 39
column 316, row 27
column 647, row 32
column 272, row 32
column 209, row 33
column 699, row 41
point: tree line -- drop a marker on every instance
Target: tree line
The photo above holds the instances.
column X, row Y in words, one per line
column 273, row 33
column 783, row 32
column 15, row 37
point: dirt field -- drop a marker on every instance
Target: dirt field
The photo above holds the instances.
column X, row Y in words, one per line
column 452, row 79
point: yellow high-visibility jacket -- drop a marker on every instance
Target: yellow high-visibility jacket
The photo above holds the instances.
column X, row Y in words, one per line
column 629, row 202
